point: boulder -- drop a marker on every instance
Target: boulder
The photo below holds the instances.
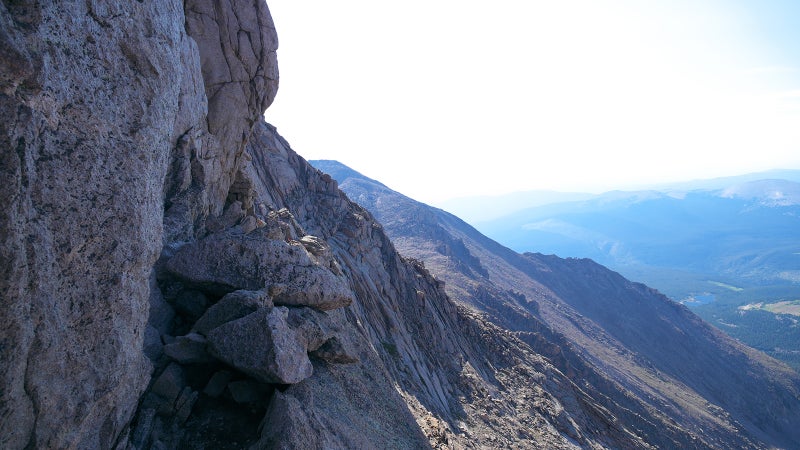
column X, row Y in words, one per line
column 294, row 415
column 233, row 306
column 223, row 262
column 152, row 346
column 184, row 404
column 189, row 349
column 316, row 328
column 216, row 385
column 314, row 245
column 263, row 346
column 251, row 223
column 334, row 351
column 313, row 327
column 170, row 383
column 288, row 423
column 248, row 392
column 231, row 216
column 191, row 303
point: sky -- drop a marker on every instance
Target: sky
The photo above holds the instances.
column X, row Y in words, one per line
column 440, row 99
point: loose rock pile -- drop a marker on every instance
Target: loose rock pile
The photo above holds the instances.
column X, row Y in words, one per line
column 241, row 313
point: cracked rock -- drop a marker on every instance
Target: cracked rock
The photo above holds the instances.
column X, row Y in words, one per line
column 233, row 306
column 263, row 346
column 224, row 262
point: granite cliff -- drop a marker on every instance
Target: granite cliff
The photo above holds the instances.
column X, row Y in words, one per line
column 175, row 276
column 123, row 127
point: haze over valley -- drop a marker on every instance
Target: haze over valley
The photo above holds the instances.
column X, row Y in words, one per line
column 720, row 246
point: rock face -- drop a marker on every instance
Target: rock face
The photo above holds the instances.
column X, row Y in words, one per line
column 276, row 354
column 104, row 114
column 237, row 44
column 83, row 163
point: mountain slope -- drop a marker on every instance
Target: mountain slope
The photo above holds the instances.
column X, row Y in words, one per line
column 175, row 276
column 659, row 366
column 468, row 382
column 714, row 249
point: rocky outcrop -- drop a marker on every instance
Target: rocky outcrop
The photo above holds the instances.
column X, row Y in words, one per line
column 259, row 259
column 88, row 104
column 237, row 44
column 256, row 303
column 104, row 108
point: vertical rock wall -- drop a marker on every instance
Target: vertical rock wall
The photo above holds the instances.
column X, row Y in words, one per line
column 87, row 121
column 238, row 78
column 104, row 111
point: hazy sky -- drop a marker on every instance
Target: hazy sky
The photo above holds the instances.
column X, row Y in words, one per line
column 440, row 99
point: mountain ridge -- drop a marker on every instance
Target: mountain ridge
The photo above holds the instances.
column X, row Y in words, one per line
column 713, row 249
column 507, row 299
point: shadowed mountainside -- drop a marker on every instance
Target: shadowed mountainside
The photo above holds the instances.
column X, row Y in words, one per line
column 715, row 245
column 634, row 346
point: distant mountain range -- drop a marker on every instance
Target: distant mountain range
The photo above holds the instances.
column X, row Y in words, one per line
column 645, row 360
column 717, row 245
column 746, row 231
column 477, row 209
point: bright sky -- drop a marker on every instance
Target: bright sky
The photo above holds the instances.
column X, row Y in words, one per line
column 448, row 98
